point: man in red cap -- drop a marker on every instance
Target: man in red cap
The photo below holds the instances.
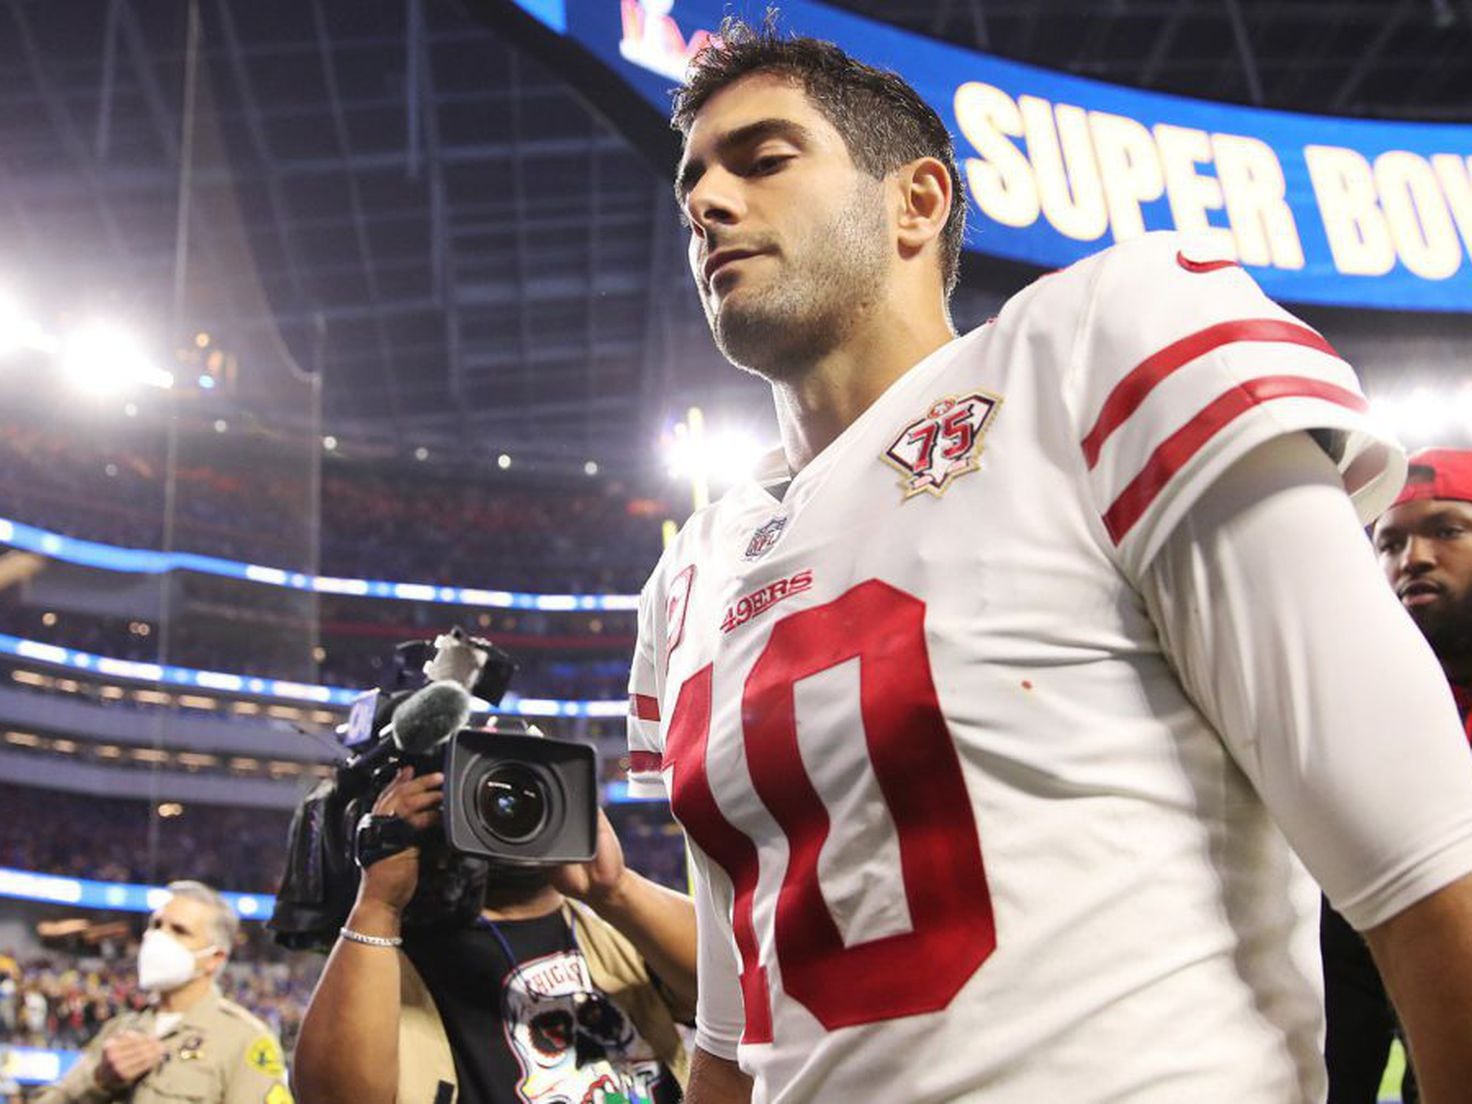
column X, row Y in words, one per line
column 1424, row 543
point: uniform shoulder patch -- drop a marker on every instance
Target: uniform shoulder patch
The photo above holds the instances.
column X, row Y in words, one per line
column 943, row 444
column 265, row 1055
column 279, row 1094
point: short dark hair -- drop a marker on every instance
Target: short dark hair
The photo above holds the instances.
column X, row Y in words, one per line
column 883, row 121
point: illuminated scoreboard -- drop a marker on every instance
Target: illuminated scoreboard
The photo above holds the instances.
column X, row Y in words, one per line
column 1351, row 212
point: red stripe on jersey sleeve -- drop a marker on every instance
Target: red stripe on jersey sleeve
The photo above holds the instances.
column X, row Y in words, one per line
column 1130, row 392
column 1177, row 450
column 644, row 762
column 643, row 706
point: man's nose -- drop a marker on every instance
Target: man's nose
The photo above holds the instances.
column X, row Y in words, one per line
column 1419, row 556
column 712, row 202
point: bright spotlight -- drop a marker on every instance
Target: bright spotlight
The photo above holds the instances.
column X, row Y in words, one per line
column 503, row 461
column 721, row 458
column 329, row 442
column 590, row 468
column 17, row 331
column 102, row 360
column 1425, row 416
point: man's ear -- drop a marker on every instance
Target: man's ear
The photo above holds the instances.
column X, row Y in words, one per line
column 925, row 198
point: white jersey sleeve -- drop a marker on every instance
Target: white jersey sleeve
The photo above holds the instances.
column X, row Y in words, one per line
column 645, row 744
column 719, row 1013
column 1181, row 366
column 1326, row 694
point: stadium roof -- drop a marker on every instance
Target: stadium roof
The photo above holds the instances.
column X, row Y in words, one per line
column 468, row 251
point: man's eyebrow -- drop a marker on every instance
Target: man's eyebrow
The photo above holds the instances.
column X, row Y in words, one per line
column 690, row 172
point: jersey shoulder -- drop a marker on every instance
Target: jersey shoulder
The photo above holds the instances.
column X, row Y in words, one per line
column 1172, row 364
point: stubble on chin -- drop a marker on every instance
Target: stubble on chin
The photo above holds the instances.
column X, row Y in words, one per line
column 1447, row 627
column 780, row 329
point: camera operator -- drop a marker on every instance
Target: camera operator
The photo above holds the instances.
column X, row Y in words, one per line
column 567, row 986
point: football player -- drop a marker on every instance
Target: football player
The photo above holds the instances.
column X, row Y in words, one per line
column 1001, row 707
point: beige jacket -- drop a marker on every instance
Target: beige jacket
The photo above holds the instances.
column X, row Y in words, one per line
column 427, row 1069
column 217, row 1054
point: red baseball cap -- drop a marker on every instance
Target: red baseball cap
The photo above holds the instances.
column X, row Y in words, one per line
column 1438, row 473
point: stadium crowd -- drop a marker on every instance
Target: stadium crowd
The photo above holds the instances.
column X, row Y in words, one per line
column 236, row 849
column 108, row 839
column 555, row 537
column 58, row 999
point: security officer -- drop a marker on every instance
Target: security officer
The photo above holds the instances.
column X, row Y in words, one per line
column 190, row 1044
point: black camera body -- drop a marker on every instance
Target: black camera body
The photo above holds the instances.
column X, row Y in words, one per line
column 515, row 801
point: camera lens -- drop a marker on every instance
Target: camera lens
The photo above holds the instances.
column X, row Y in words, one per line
column 512, row 802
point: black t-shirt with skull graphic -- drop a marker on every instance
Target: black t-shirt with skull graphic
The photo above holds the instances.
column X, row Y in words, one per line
column 526, row 1025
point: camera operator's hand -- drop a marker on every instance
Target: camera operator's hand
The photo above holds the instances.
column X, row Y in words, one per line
column 658, row 921
column 391, row 882
column 598, row 880
column 126, row 1057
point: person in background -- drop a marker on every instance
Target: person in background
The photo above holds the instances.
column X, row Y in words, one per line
column 190, row 1043
column 568, row 986
column 1424, row 544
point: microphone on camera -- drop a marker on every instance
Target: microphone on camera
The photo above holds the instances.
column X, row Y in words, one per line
column 430, row 716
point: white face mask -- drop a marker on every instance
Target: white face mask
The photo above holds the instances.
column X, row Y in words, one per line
column 165, row 964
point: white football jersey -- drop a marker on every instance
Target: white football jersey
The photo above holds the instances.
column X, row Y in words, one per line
column 959, row 833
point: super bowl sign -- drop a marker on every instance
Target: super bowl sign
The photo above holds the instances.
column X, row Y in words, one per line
column 1322, row 210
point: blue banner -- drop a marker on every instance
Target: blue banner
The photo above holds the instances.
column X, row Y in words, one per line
column 55, row 889
column 110, row 557
column 297, row 693
column 1348, row 212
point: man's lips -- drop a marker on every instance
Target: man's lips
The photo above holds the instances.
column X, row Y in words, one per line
column 722, row 257
column 1420, row 593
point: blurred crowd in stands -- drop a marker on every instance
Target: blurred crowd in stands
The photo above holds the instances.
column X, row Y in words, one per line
column 495, row 532
column 109, row 839
column 59, row 998
column 120, row 840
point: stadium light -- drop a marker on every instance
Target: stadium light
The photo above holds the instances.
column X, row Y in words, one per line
column 18, row 330
column 103, row 359
column 719, row 458
column 1426, row 416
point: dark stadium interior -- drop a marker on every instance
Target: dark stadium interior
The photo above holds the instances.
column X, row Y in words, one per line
column 444, row 307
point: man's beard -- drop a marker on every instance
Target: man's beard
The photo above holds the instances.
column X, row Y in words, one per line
column 1447, row 626
column 828, row 281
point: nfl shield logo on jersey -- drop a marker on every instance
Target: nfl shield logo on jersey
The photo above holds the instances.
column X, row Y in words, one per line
column 764, row 538
column 943, row 445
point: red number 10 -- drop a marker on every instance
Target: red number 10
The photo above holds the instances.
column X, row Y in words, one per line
column 919, row 775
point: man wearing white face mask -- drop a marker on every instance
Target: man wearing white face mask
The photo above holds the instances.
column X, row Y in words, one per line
column 191, row 1043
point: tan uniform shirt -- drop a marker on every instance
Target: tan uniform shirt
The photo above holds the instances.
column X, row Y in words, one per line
column 217, row 1054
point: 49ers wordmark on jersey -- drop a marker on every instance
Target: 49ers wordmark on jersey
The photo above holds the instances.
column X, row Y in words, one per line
column 944, row 444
